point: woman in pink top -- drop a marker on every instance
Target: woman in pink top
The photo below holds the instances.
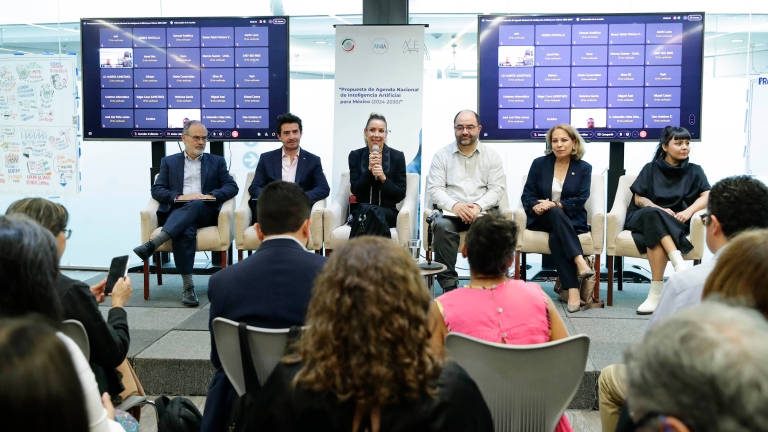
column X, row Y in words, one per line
column 493, row 307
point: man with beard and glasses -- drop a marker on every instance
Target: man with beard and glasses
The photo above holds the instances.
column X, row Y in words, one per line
column 465, row 178
column 191, row 187
column 290, row 163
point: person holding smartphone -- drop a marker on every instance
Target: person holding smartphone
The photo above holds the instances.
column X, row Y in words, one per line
column 109, row 340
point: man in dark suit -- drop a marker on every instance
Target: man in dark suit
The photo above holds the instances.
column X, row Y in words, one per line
column 290, row 163
column 191, row 188
column 270, row 289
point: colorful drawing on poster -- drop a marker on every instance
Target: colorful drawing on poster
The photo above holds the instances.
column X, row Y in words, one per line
column 32, row 72
column 65, row 165
column 7, row 80
column 59, row 75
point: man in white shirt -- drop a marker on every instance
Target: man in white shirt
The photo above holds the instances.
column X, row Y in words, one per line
column 465, row 178
column 735, row 204
column 291, row 163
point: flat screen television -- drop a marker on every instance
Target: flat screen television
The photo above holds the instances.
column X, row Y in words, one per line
column 615, row 77
column 144, row 78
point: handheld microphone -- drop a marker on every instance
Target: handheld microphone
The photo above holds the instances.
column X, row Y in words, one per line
column 375, row 149
column 431, row 218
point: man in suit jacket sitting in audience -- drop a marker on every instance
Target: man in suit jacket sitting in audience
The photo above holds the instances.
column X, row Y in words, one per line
column 191, row 188
column 290, row 163
column 270, row 289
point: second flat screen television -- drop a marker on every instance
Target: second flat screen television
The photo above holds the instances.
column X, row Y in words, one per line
column 144, row 78
column 614, row 77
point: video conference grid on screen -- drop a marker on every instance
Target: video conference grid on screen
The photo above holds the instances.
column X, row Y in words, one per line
column 614, row 77
column 154, row 75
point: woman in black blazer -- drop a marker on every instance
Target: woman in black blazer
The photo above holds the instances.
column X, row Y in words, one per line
column 378, row 177
column 554, row 196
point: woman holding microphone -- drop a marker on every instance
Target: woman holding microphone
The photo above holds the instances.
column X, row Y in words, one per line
column 377, row 171
column 554, row 195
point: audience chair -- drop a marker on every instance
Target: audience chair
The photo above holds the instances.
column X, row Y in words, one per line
column 427, row 210
column 217, row 238
column 335, row 228
column 538, row 242
column 526, row 387
column 245, row 234
column 267, row 349
column 74, row 330
column 619, row 241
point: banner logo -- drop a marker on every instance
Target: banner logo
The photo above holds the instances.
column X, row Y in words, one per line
column 411, row 46
column 379, row 46
column 348, row 45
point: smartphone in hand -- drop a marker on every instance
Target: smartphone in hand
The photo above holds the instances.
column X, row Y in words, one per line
column 118, row 269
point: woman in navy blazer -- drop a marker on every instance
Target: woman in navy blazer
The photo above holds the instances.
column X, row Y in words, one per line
column 553, row 197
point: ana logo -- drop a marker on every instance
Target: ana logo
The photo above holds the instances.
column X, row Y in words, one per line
column 379, row 46
column 348, row 45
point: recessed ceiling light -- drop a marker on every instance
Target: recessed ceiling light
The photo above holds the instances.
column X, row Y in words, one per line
column 321, row 42
column 737, row 40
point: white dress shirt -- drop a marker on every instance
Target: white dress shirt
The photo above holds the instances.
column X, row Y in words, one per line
column 193, row 174
column 286, row 236
column 475, row 179
column 289, row 168
column 683, row 289
column 557, row 189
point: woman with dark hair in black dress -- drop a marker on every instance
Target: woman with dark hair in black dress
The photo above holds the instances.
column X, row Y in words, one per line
column 668, row 191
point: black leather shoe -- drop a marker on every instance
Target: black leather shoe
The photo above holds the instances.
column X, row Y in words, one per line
column 145, row 251
column 189, row 298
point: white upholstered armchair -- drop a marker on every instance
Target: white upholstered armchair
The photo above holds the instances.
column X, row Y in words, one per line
column 245, row 234
column 335, row 229
column 217, row 238
column 619, row 242
column 591, row 242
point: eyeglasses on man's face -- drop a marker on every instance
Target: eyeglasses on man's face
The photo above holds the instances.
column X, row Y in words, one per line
column 202, row 138
column 67, row 233
column 470, row 128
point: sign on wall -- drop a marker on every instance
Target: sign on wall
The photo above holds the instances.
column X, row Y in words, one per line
column 378, row 69
column 39, row 147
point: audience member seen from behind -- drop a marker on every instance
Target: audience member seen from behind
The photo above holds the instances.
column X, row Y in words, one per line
column 494, row 307
column 29, row 266
column 554, row 195
column 109, row 340
column 270, row 289
column 735, row 204
column 703, row 369
column 39, row 389
column 365, row 360
column 378, row 177
column 742, row 270
column 668, row 191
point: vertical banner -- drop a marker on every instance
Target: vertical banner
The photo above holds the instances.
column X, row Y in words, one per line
column 378, row 69
column 39, row 146
column 757, row 117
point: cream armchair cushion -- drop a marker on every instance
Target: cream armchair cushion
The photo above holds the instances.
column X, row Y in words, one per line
column 427, row 210
column 591, row 243
column 335, row 229
column 245, row 233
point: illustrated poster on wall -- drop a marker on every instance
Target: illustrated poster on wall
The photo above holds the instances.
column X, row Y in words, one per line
column 39, row 147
